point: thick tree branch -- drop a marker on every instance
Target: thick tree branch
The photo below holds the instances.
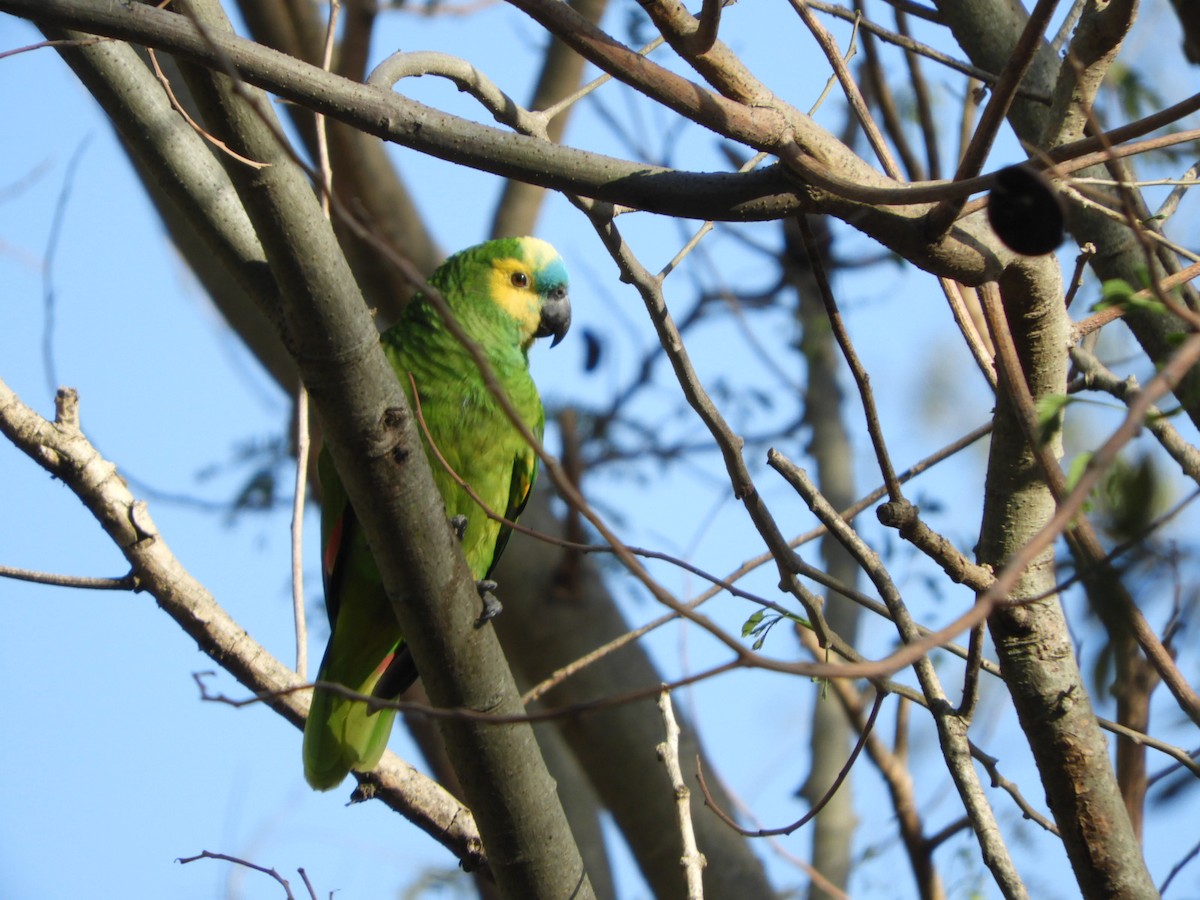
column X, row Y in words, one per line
column 838, row 181
column 1031, row 638
column 761, row 194
column 375, row 444
column 61, row 448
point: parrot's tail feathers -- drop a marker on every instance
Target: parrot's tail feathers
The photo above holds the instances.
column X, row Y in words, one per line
column 341, row 735
column 398, row 676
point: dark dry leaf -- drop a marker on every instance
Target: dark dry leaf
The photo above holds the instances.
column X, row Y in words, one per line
column 1026, row 213
column 592, row 350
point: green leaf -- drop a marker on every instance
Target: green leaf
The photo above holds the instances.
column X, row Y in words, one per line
column 1114, row 292
column 1078, row 466
column 751, row 624
column 1147, row 303
column 1131, row 496
column 1049, row 414
column 761, row 622
column 1119, row 292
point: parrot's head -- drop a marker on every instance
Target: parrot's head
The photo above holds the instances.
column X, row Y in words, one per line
column 529, row 282
column 524, row 278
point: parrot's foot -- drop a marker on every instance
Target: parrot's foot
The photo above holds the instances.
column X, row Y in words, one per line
column 458, row 524
column 491, row 606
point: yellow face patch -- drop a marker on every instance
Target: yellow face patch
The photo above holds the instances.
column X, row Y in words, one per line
column 514, row 290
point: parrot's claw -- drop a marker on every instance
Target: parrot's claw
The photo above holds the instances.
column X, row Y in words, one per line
column 458, row 524
column 491, row 606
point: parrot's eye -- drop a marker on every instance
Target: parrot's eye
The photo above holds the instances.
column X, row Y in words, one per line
column 519, row 280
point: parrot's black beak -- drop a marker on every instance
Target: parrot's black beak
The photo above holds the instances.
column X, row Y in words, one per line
column 556, row 315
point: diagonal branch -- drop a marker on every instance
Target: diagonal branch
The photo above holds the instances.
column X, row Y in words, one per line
column 62, row 449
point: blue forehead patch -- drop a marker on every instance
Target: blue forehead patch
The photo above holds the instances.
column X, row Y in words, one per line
column 551, row 275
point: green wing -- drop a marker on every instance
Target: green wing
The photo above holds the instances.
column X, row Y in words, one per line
column 524, row 473
column 365, row 653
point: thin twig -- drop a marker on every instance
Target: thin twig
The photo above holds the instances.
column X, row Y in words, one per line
column 297, row 531
column 1076, row 189
column 892, row 765
column 911, row 46
column 1098, row 320
column 1068, row 25
column 879, row 92
column 1179, row 866
column 991, row 766
column 864, row 733
column 1097, row 375
column 925, row 114
column 302, row 430
column 312, row 892
column 1086, row 253
column 692, row 860
column 694, row 241
column 124, row 583
column 970, row 691
column 1168, row 207
column 41, row 45
column 853, row 95
column 459, row 713
column 861, row 379
column 49, row 295
column 977, row 342
column 205, row 854
column 935, row 840
column 196, row 126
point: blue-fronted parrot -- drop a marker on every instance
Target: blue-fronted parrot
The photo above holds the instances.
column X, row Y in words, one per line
column 504, row 294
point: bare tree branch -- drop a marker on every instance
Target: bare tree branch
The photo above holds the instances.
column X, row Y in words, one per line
column 63, row 450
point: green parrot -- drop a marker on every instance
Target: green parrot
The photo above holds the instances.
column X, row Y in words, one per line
column 503, row 293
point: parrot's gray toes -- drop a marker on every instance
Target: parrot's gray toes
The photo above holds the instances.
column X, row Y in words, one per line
column 458, row 525
column 491, row 606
